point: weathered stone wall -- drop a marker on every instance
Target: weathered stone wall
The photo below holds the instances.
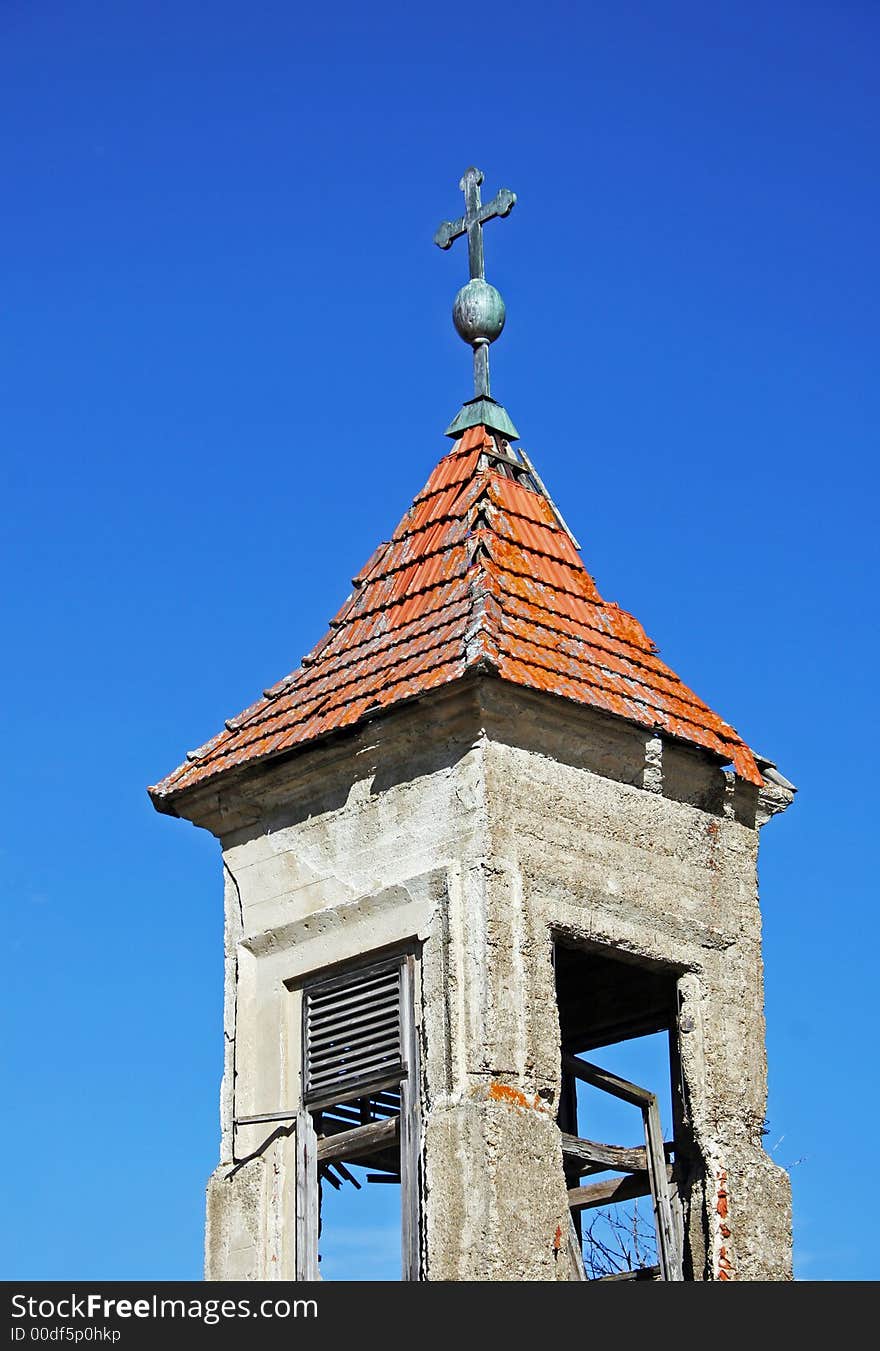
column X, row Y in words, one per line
column 667, row 875
column 483, row 822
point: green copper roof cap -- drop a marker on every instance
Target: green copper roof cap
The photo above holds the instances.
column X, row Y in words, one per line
column 478, row 312
column 482, row 412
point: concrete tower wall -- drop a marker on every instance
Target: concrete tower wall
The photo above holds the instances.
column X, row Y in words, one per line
column 484, row 822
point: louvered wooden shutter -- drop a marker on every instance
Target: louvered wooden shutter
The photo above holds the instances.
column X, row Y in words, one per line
column 352, row 1035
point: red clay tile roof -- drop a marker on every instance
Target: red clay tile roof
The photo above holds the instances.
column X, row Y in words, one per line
column 480, row 574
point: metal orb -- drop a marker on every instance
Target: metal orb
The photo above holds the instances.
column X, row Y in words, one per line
column 478, row 312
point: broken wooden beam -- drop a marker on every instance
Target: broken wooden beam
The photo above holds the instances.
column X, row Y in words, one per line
column 595, row 1157
column 640, row 1274
column 615, row 1189
column 361, row 1140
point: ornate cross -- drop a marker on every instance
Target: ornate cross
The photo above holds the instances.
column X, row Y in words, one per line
column 478, row 311
column 475, row 217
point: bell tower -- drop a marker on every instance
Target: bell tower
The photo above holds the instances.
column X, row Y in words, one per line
column 479, row 838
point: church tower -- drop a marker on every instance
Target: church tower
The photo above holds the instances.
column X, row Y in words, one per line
column 479, row 839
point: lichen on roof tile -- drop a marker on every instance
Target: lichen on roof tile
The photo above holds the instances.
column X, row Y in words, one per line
column 480, row 569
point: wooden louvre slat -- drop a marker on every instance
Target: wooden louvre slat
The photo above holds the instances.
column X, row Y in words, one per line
column 350, row 1049
column 352, row 1030
column 346, row 1018
column 363, row 1063
column 330, row 1000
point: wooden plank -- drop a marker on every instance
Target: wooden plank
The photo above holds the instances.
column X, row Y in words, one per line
column 642, row 1274
column 265, row 1116
column 681, row 1130
column 410, row 1130
column 341, row 1116
column 352, row 1091
column 386, row 1161
column 344, row 1084
column 596, row 1155
column 351, row 1030
column 380, row 1010
column 591, row 1156
column 668, row 1247
column 345, row 988
column 339, row 1067
column 343, row 1172
column 567, row 1117
column 361, row 1140
column 306, row 1220
column 667, row 1236
column 608, row 1192
column 352, row 977
column 387, row 1099
column 575, row 1251
column 363, row 994
column 609, row 1083
column 341, row 1049
column 553, row 507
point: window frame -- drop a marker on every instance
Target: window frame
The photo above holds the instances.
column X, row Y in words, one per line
column 405, row 1076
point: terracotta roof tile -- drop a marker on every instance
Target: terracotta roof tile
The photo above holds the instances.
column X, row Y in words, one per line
column 460, row 464
column 520, row 501
column 524, row 562
column 480, row 567
column 539, row 539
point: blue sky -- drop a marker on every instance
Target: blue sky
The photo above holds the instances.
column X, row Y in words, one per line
column 227, row 362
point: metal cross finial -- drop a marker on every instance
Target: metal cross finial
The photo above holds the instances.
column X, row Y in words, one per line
column 478, row 312
column 475, row 217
